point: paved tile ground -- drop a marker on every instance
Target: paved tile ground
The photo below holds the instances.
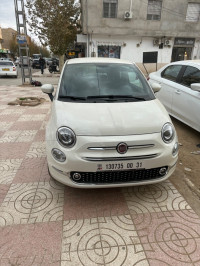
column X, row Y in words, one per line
column 45, row 223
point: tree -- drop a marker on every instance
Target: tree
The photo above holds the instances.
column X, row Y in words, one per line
column 34, row 48
column 54, row 22
column 13, row 46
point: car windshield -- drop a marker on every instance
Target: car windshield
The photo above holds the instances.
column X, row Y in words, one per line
column 3, row 63
column 103, row 82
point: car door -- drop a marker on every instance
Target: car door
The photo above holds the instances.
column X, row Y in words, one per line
column 168, row 78
column 186, row 102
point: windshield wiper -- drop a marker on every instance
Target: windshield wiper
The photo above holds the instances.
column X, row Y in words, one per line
column 117, row 96
column 72, row 97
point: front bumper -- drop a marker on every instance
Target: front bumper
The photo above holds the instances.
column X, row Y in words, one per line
column 81, row 159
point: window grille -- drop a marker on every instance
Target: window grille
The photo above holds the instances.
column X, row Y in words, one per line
column 193, row 12
column 110, row 8
column 154, row 9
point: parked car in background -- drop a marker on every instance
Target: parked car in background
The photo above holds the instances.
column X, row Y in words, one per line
column 106, row 127
column 180, row 93
column 36, row 56
column 6, row 59
column 48, row 61
column 24, row 60
column 55, row 61
column 7, row 68
column 36, row 63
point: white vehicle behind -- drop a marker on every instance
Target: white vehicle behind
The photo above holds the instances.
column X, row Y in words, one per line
column 180, row 93
column 7, row 68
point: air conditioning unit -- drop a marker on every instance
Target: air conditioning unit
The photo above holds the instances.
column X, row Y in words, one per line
column 128, row 15
column 168, row 42
column 156, row 42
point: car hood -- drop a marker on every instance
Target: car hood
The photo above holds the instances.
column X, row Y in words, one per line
column 107, row 119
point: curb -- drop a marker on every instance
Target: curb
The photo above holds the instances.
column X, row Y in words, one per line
column 46, row 76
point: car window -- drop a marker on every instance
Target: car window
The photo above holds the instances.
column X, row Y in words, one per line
column 133, row 79
column 171, row 72
column 191, row 75
column 100, row 79
column 6, row 63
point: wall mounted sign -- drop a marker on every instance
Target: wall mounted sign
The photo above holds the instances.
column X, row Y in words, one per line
column 21, row 39
column 184, row 41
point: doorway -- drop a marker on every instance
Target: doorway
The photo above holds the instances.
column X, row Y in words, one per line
column 179, row 52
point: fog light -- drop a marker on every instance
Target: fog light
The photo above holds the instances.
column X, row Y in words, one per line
column 175, row 149
column 76, row 176
column 58, row 155
column 163, row 171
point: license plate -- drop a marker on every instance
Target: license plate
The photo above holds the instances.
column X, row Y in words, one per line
column 5, row 69
column 120, row 166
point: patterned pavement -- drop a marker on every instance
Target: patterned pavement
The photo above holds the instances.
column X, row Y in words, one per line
column 43, row 222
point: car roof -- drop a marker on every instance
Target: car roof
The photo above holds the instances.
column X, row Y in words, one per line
column 98, row 60
column 188, row 62
column 10, row 61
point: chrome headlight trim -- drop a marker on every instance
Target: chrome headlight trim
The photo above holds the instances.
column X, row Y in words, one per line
column 66, row 137
column 168, row 133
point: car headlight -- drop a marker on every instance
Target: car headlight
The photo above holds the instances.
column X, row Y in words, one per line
column 175, row 149
column 66, row 137
column 168, row 133
column 58, row 155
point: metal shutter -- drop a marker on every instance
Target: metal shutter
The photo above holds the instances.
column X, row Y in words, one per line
column 110, row 8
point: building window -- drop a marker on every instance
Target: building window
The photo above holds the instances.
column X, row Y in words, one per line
column 193, row 12
column 109, row 51
column 110, row 8
column 154, row 9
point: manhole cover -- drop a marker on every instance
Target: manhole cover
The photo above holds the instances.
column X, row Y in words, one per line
column 27, row 101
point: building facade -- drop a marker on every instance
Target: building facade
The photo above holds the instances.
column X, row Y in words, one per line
column 1, row 39
column 3, row 52
column 143, row 31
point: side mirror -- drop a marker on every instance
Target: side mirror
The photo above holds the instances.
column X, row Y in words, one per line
column 195, row 86
column 156, row 87
column 48, row 89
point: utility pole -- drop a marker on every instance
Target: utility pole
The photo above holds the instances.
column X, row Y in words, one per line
column 22, row 41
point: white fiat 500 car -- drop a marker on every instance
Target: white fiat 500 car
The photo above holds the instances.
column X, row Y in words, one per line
column 106, row 127
column 180, row 94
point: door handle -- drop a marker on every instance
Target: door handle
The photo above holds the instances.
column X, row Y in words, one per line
column 178, row 92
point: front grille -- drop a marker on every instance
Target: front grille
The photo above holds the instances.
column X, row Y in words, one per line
column 116, row 177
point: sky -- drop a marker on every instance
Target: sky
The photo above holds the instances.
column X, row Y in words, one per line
column 7, row 16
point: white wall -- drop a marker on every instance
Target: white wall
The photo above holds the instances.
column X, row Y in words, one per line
column 130, row 50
